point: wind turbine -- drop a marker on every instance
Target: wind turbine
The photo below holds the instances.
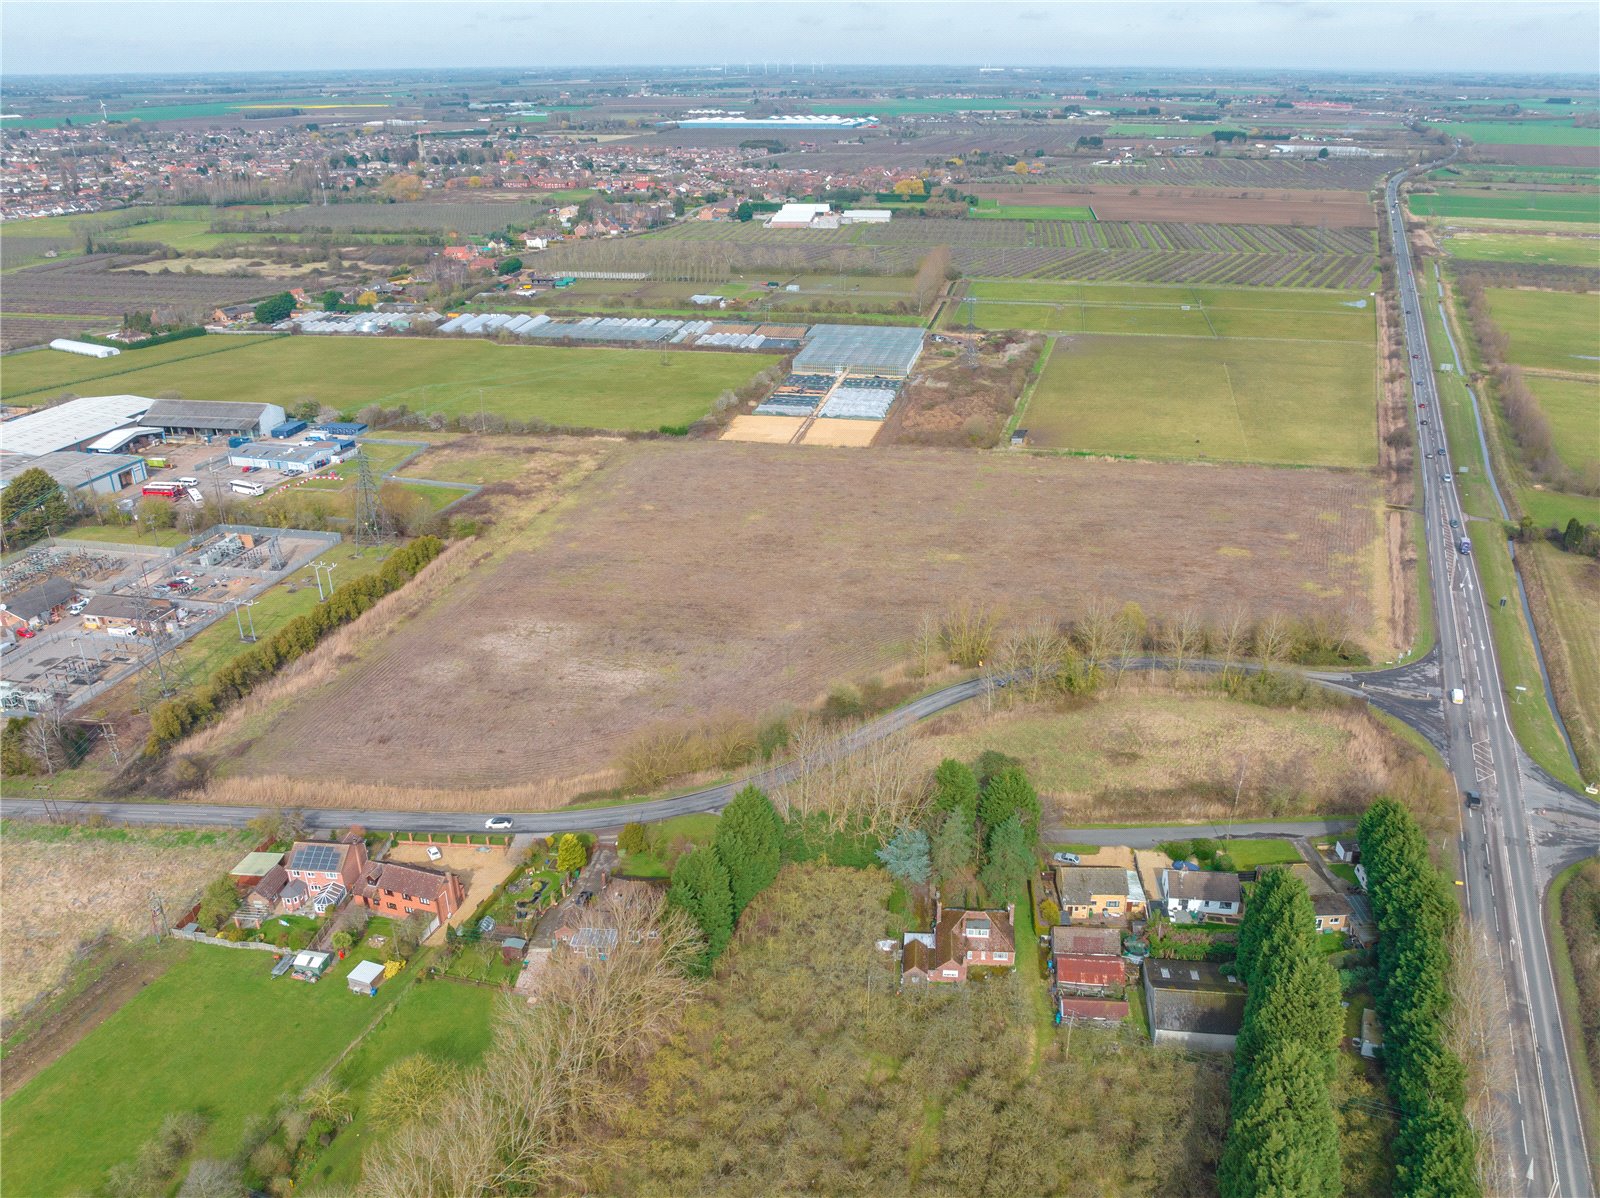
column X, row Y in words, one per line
column 104, row 120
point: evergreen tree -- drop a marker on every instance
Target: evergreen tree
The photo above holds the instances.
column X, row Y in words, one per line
column 955, row 846
column 906, row 856
column 1010, row 793
column 1260, row 913
column 700, row 888
column 31, row 505
column 1011, row 860
column 571, row 856
column 1435, row 1154
column 1284, row 1135
column 955, row 788
column 749, row 840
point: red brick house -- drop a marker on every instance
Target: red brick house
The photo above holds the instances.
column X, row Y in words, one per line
column 960, row 940
column 322, row 874
column 401, row 890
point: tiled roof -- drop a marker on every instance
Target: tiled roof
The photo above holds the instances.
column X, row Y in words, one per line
column 1092, row 942
column 415, row 880
column 1206, row 885
column 1073, row 970
column 1078, row 883
column 951, row 939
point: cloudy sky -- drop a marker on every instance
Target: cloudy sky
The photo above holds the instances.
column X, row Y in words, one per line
column 63, row 36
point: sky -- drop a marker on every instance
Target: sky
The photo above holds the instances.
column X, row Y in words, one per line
column 204, row 36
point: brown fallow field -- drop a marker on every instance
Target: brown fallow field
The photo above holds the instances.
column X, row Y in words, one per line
column 680, row 581
column 1207, row 205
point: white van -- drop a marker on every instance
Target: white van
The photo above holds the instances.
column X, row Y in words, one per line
column 1458, row 695
column 245, row 486
column 188, row 481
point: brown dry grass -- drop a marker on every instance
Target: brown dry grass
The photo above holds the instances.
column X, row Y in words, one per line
column 845, row 433
column 768, row 430
column 1204, row 205
column 58, row 893
column 1564, row 593
column 1150, row 751
column 687, row 578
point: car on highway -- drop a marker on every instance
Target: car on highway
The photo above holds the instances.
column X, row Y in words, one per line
column 1454, row 523
column 1474, row 799
column 1446, row 477
column 1458, row 696
column 498, row 823
column 1065, row 858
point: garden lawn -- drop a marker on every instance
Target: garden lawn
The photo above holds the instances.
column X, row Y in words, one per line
column 214, row 1033
column 695, row 829
column 571, row 387
column 1251, row 854
column 1305, row 403
column 446, row 1021
column 1550, row 330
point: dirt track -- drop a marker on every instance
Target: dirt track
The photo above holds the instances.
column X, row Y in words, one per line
column 691, row 579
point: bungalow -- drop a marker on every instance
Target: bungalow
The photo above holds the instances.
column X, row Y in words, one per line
column 1193, row 1004
column 960, row 940
column 1194, row 896
column 1333, row 912
column 401, row 890
column 1098, row 893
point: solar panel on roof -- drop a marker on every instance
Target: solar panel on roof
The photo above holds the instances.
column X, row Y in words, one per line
column 317, row 857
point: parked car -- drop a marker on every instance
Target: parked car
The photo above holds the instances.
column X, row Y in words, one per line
column 77, row 608
column 1065, row 858
column 434, row 854
column 25, row 633
column 188, row 480
column 498, row 823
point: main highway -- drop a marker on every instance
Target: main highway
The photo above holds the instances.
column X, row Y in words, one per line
column 1526, row 828
column 1503, row 876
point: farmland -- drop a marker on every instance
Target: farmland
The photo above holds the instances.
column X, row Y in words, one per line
column 1573, row 408
column 467, row 217
column 67, row 885
column 1230, row 399
column 992, row 211
column 43, row 374
column 632, row 607
column 1524, row 249
column 1572, row 207
column 1156, row 754
column 1523, row 133
column 1549, row 330
column 1207, row 205
column 166, row 1051
column 582, row 387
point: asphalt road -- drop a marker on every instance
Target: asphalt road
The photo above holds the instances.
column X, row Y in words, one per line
column 1500, row 866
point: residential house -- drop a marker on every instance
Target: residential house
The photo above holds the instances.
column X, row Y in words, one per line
column 1193, row 1004
column 401, row 890
column 531, row 241
column 262, row 896
column 1106, row 1011
column 1098, row 894
column 234, row 314
column 326, row 872
column 1333, row 911
column 1195, row 896
column 961, row 940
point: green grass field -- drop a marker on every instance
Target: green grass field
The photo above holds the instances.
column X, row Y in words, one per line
column 43, row 374
column 912, row 107
column 1573, row 409
column 1574, row 207
column 1522, row 249
column 1523, row 133
column 214, row 1033
column 1175, row 129
column 989, row 210
column 1550, row 330
column 448, row 1022
column 1234, row 399
column 572, row 387
column 1251, row 854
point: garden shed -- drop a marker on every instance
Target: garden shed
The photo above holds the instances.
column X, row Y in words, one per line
column 364, row 978
column 310, row 966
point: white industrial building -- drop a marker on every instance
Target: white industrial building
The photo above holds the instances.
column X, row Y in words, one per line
column 213, row 418
column 71, row 425
column 286, row 459
column 803, row 216
column 100, row 473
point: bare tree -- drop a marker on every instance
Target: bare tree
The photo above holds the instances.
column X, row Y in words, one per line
column 1476, row 1026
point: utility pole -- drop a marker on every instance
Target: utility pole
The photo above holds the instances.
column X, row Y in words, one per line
column 319, row 567
column 245, row 604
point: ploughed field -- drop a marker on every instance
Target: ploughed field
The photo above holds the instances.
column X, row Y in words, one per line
column 687, row 579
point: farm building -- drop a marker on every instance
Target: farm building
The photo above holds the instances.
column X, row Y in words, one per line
column 289, row 459
column 889, row 349
column 803, row 216
column 137, row 437
column 213, row 418
column 87, row 349
column 71, row 425
column 100, row 473
column 1192, row 1004
column 800, row 122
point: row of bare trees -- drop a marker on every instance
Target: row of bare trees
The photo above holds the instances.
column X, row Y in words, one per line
column 936, row 270
column 517, row 1123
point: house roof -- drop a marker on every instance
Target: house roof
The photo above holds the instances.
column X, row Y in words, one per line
column 1092, row 1008
column 318, row 856
column 272, row 883
column 127, row 607
column 365, row 973
column 1078, row 883
column 916, row 955
column 1331, row 904
column 415, row 880
column 37, row 600
column 1086, row 942
column 1315, row 884
column 1193, row 996
column 256, row 865
column 1206, row 885
column 1075, row 970
column 952, row 938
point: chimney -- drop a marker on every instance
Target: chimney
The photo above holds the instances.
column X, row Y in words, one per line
column 1011, row 913
column 938, row 908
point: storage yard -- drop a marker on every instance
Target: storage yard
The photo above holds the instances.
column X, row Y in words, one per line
column 767, row 577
